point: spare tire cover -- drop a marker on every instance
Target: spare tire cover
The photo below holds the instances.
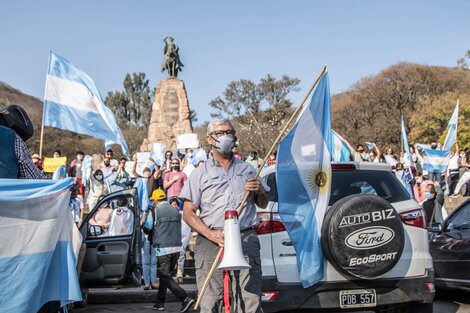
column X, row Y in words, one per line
column 362, row 236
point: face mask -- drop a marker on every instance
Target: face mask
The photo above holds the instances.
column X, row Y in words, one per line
column 427, row 195
column 224, row 144
column 176, row 167
column 419, row 181
column 99, row 177
column 433, row 147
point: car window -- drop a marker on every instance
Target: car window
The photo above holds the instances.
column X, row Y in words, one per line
column 114, row 217
column 344, row 183
column 460, row 220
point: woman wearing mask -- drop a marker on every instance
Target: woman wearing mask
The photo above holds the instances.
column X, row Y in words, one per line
column 433, row 204
column 174, row 180
column 97, row 187
column 420, row 187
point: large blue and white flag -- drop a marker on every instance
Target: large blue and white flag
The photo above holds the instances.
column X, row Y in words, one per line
column 452, row 129
column 304, row 180
column 435, row 160
column 72, row 102
column 340, row 150
column 408, row 175
column 37, row 260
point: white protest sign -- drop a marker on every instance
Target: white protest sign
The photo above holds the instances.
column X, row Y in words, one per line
column 188, row 141
column 142, row 161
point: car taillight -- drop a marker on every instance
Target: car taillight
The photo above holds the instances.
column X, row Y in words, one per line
column 414, row 218
column 268, row 224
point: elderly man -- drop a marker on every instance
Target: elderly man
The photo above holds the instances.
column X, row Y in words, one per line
column 214, row 187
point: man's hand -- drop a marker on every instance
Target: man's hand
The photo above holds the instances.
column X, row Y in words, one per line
column 175, row 179
column 253, row 184
column 217, row 236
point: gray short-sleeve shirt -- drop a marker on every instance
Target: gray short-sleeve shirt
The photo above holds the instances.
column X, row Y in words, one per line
column 214, row 190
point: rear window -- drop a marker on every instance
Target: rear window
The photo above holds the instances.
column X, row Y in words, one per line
column 344, row 183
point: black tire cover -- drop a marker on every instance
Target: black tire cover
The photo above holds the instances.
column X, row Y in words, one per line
column 362, row 236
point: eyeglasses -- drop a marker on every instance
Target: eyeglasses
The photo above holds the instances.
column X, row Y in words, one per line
column 220, row 133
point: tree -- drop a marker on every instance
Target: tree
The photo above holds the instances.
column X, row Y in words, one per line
column 462, row 62
column 371, row 109
column 133, row 106
column 433, row 114
column 258, row 110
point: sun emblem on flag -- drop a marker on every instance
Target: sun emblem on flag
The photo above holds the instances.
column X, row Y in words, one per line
column 319, row 179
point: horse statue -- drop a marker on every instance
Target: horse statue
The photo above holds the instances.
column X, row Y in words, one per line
column 171, row 59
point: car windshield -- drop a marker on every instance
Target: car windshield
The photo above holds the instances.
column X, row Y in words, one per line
column 344, row 183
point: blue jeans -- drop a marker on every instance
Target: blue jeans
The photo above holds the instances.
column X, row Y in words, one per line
column 149, row 262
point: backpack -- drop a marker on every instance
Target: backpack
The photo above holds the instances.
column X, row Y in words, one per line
column 16, row 118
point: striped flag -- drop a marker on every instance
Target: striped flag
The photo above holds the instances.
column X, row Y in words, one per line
column 339, row 150
column 452, row 129
column 303, row 181
column 37, row 257
column 72, row 102
column 435, row 160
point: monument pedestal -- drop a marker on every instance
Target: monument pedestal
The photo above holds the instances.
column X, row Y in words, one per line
column 170, row 115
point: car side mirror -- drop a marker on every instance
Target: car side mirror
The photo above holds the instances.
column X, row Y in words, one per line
column 95, row 230
column 436, row 228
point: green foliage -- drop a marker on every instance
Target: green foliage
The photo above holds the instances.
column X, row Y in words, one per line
column 433, row 114
column 133, row 106
column 258, row 110
column 462, row 63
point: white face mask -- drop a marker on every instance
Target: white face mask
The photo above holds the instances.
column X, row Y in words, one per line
column 224, row 144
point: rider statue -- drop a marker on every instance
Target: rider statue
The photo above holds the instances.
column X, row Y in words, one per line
column 171, row 59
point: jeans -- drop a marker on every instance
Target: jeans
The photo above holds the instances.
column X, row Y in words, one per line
column 149, row 262
column 166, row 265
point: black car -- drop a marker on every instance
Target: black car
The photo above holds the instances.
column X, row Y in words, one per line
column 449, row 244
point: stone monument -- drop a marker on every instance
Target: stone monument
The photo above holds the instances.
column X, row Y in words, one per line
column 170, row 111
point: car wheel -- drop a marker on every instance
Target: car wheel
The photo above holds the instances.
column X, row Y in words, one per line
column 362, row 236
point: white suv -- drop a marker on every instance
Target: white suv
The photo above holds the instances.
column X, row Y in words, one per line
column 375, row 243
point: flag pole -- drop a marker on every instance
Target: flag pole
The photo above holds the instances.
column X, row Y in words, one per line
column 42, row 136
column 44, row 108
column 247, row 193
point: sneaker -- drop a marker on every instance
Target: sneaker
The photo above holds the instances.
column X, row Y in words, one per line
column 159, row 307
column 147, row 287
column 187, row 303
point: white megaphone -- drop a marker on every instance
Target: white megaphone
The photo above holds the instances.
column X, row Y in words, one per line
column 233, row 253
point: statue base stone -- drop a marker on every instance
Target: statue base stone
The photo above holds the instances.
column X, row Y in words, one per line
column 170, row 115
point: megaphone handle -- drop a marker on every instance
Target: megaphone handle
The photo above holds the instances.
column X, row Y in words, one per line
column 206, row 283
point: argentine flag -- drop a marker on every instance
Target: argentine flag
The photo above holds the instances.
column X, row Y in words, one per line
column 303, row 181
column 435, row 160
column 452, row 129
column 407, row 175
column 72, row 102
column 340, row 150
column 37, row 255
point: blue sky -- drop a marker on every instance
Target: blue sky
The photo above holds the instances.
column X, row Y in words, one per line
column 224, row 41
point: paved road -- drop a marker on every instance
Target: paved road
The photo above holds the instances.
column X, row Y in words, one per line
column 446, row 302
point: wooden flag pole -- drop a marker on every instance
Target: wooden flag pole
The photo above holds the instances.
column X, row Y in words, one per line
column 247, row 193
column 41, row 140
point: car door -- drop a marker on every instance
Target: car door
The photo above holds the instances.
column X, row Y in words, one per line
column 111, row 234
column 450, row 249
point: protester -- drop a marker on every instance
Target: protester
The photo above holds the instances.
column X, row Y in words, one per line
column 463, row 185
column 110, row 155
column 37, row 161
column 166, row 167
column 390, row 158
column 185, row 234
column 453, row 173
column 97, row 187
column 75, row 170
column 214, row 187
column 149, row 254
column 236, row 154
column 272, row 159
column 15, row 159
column 107, row 168
column 122, row 219
column 419, row 187
column 76, row 205
column 119, row 179
column 361, row 155
column 56, row 154
column 434, row 175
column 433, row 204
column 254, row 160
column 174, row 180
column 167, row 241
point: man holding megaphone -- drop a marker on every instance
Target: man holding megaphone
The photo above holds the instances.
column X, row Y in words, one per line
column 215, row 187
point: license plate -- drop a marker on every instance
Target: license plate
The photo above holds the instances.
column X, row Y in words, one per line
column 360, row 298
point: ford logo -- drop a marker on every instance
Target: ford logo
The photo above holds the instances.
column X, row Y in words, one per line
column 369, row 237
